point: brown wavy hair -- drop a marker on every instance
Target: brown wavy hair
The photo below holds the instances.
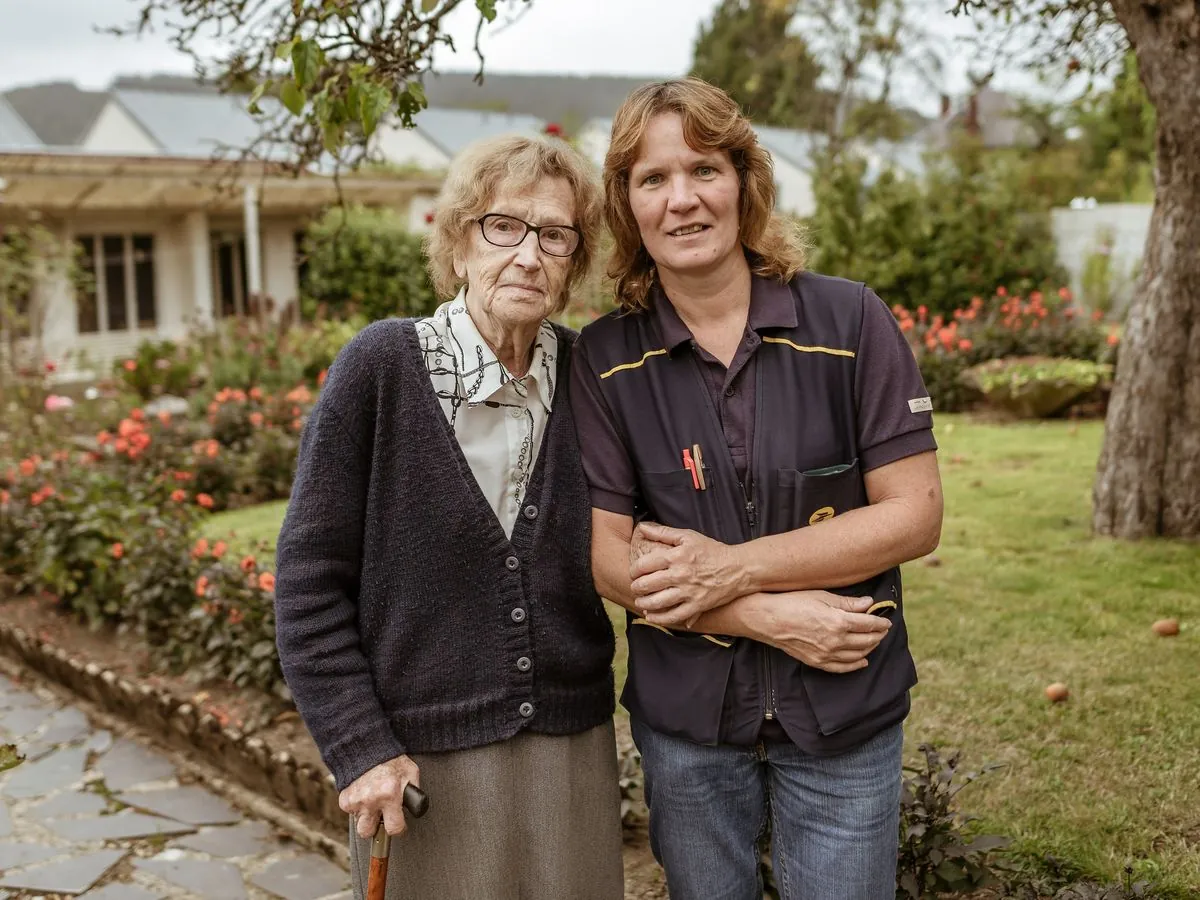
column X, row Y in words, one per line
column 512, row 162
column 712, row 121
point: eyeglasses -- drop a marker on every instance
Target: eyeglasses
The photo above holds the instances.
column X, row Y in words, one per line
column 505, row 231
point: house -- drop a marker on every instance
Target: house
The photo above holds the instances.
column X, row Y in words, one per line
column 441, row 134
column 993, row 116
column 172, row 239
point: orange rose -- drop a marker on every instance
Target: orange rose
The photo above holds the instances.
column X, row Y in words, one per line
column 266, row 581
column 218, row 549
column 205, row 500
column 248, row 564
column 118, row 550
column 178, row 495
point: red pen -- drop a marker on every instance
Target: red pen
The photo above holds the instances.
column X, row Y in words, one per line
column 690, row 465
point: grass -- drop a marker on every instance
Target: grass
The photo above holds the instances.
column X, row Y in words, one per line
column 1025, row 596
column 252, row 529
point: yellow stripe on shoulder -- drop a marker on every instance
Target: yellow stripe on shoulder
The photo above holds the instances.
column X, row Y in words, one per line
column 832, row 351
column 634, row 365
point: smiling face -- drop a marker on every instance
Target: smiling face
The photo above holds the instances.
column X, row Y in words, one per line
column 685, row 201
column 511, row 289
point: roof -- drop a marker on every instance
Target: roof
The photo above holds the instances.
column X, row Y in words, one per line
column 453, row 129
column 59, row 113
column 14, row 133
column 191, row 123
column 998, row 116
column 568, row 100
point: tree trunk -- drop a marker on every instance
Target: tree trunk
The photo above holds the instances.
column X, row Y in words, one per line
column 1148, row 477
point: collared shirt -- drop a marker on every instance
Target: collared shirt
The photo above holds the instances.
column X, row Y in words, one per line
column 497, row 418
column 887, row 431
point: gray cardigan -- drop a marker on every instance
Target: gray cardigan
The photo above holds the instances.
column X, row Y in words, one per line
column 406, row 621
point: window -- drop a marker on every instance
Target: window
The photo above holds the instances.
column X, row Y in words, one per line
column 121, row 289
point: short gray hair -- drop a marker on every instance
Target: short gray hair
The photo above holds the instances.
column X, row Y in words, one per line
column 515, row 162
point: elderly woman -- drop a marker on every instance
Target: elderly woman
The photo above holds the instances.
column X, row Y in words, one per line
column 437, row 622
column 768, row 432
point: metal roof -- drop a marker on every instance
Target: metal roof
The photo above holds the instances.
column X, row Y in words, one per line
column 796, row 147
column 14, row 133
column 453, row 129
column 59, row 113
column 192, row 124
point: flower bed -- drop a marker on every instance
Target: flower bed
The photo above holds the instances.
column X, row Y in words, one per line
column 1001, row 327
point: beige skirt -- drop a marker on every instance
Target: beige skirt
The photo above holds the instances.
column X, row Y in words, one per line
column 536, row 817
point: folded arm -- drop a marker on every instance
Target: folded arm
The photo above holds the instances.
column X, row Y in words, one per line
column 691, row 574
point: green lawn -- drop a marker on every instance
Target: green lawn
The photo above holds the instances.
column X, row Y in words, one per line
column 1024, row 596
column 248, row 530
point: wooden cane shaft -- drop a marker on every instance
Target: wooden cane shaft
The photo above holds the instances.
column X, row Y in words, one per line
column 377, row 879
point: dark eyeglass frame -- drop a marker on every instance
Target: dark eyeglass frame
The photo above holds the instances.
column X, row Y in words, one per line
column 536, row 229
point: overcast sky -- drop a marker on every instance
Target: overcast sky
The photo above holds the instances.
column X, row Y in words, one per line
column 44, row 40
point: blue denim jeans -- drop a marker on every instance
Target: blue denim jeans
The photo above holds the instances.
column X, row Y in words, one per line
column 834, row 820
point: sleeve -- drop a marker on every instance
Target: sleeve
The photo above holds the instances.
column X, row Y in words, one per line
column 605, row 456
column 318, row 563
column 895, row 414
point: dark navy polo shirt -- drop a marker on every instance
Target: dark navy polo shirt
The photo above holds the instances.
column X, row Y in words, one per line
column 887, row 432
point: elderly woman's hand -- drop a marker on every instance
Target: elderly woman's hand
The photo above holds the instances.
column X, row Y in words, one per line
column 380, row 792
column 679, row 574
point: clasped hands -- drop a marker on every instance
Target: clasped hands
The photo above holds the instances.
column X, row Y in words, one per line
column 678, row 575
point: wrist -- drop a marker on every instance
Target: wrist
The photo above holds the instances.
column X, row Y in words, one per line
column 742, row 580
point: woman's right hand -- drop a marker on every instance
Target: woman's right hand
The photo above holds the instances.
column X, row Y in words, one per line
column 380, row 792
column 824, row 630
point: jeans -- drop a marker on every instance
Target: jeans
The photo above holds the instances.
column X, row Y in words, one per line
column 834, row 820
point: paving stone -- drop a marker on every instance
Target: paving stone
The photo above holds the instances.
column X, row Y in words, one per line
column 128, row 764
column 23, row 722
column 6, row 826
column 189, row 804
column 66, row 876
column 117, row 827
column 15, row 698
column 72, row 803
column 35, row 749
column 100, row 742
column 66, row 727
column 14, row 855
column 58, row 770
column 247, row 839
column 119, row 890
column 306, row 877
column 208, row 878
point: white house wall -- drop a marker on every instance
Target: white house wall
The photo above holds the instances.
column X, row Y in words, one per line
column 1078, row 233
column 407, row 146
column 794, row 190
column 118, row 133
column 280, row 281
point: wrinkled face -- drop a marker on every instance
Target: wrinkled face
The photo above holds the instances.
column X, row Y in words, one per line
column 685, row 201
column 514, row 287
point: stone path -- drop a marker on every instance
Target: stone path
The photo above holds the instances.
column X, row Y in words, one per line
column 104, row 818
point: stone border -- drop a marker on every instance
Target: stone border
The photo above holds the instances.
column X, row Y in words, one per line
column 175, row 722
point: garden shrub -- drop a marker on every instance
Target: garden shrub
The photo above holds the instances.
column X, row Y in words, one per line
column 960, row 232
column 365, row 261
column 938, row 855
column 157, row 368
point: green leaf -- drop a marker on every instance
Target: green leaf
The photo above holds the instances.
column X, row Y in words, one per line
column 487, row 9
column 374, row 101
column 428, row 5
column 252, row 106
column 307, row 59
column 284, row 50
column 293, row 98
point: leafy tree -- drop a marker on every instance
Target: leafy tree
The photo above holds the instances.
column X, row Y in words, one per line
column 1117, row 136
column 323, row 73
column 1148, row 476
column 747, row 50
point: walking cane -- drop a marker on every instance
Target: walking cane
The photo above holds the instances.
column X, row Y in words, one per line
column 417, row 803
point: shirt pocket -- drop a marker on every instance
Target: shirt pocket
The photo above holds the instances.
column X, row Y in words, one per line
column 671, row 498
column 807, row 497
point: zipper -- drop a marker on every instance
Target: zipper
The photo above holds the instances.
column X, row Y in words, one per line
column 764, row 653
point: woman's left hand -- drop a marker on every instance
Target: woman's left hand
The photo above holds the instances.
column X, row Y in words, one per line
column 679, row 574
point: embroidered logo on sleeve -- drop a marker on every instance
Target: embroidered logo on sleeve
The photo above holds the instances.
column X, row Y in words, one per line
column 921, row 404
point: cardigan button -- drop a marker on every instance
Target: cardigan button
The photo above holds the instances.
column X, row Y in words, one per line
column 525, row 709
column 524, row 664
column 512, row 563
column 531, row 511
column 517, row 615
